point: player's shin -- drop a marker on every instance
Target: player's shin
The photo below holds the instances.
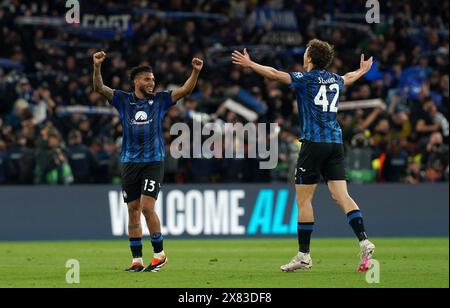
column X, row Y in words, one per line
column 136, row 249
column 305, row 231
column 356, row 221
column 158, row 245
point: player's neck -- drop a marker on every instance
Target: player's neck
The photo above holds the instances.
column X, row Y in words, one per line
column 139, row 95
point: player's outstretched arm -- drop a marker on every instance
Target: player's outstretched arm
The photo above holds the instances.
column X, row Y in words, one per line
column 352, row 77
column 189, row 86
column 244, row 60
column 99, row 87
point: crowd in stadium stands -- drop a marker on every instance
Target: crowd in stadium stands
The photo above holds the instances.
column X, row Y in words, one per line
column 43, row 67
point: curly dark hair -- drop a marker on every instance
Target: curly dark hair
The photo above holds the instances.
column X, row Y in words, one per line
column 135, row 72
column 321, row 53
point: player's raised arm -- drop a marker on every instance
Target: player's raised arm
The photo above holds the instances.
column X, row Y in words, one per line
column 352, row 77
column 99, row 87
column 244, row 60
column 189, row 86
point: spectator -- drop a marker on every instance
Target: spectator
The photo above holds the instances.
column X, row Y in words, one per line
column 24, row 90
column 395, row 163
column 15, row 117
column 54, row 168
column 86, row 131
column 401, row 125
column 102, row 159
column 383, row 134
column 115, row 167
column 428, row 121
column 435, row 159
column 19, row 163
column 80, row 159
column 359, row 160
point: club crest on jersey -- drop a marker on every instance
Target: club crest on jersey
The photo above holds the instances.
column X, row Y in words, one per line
column 298, row 75
column 150, row 102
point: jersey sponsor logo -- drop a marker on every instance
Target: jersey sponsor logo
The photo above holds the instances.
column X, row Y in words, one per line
column 141, row 116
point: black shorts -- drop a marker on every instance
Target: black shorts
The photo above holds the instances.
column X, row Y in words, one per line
column 141, row 179
column 320, row 159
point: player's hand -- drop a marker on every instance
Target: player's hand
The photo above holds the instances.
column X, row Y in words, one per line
column 99, row 57
column 365, row 66
column 197, row 64
column 242, row 59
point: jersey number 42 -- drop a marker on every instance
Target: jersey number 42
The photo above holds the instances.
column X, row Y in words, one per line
column 322, row 98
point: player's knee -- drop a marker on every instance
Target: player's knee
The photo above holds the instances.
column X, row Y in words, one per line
column 304, row 203
column 148, row 212
column 342, row 200
column 134, row 214
column 335, row 198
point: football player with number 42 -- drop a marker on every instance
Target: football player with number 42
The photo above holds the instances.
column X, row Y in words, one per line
column 322, row 151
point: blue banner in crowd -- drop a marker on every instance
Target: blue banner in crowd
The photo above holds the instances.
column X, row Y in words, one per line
column 278, row 19
column 9, row 64
column 104, row 26
column 179, row 15
column 251, row 102
column 91, row 25
column 281, row 26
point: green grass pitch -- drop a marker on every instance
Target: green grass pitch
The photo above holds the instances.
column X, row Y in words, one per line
column 226, row 264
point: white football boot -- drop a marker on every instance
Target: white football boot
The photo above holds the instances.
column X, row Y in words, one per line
column 366, row 254
column 302, row 261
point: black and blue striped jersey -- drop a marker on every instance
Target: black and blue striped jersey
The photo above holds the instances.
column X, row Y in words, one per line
column 318, row 102
column 143, row 139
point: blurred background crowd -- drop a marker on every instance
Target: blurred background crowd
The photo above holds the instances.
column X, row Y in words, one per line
column 46, row 68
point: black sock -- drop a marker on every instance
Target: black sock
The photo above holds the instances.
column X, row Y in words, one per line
column 157, row 242
column 304, row 236
column 136, row 247
column 355, row 219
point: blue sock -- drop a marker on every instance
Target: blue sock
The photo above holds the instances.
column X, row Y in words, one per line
column 136, row 247
column 157, row 242
column 305, row 231
column 355, row 219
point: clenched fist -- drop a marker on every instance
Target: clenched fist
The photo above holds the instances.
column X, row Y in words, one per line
column 99, row 57
column 197, row 64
